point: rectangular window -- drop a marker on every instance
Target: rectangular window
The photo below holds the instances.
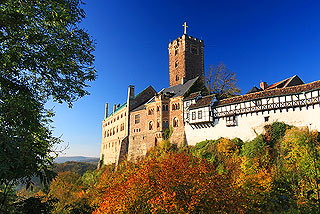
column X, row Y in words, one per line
column 231, row 121
column 258, row 102
column 199, row 114
column 137, row 118
column 193, row 115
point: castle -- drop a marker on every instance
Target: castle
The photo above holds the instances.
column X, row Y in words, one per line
column 139, row 124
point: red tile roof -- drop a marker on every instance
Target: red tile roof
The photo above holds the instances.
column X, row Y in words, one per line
column 192, row 95
column 204, row 101
column 271, row 93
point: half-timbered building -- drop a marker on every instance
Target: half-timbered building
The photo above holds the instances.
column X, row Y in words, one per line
column 290, row 101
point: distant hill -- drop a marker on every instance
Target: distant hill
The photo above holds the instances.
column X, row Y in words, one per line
column 76, row 158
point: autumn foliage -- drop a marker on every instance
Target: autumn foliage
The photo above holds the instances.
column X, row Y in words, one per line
column 277, row 172
column 176, row 183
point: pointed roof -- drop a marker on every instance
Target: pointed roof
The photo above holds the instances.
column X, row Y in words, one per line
column 291, row 81
column 253, row 90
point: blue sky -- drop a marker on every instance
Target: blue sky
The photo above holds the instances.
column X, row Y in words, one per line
column 258, row 40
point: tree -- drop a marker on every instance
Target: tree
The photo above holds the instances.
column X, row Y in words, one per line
column 172, row 183
column 44, row 55
column 222, row 82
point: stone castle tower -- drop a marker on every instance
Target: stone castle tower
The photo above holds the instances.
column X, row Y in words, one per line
column 185, row 59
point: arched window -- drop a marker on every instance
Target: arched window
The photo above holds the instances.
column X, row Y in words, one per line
column 150, row 111
column 158, row 124
column 166, row 107
column 175, row 122
column 105, row 134
column 150, row 125
column 117, row 129
column 163, row 108
column 108, row 133
column 173, row 107
column 158, row 108
column 114, row 131
column 178, row 106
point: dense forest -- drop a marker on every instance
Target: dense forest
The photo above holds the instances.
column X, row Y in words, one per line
column 276, row 172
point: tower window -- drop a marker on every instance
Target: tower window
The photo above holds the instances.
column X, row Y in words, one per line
column 175, row 122
column 177, row 77
column 150, row 125
column 176, row 52
column 176, row 64
column 194, row 50
column 137, row 118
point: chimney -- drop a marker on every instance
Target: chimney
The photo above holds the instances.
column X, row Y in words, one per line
column 182, row 80
column 106, row 111
column 263, row 85
column 131, row 91
column 114, row 108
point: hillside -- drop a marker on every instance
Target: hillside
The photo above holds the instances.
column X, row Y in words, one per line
column 76, row 158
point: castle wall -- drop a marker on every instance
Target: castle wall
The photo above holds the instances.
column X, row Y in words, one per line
column 153, row 121
column 114, row 135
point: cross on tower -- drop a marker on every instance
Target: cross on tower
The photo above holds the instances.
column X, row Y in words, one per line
column 185, row 27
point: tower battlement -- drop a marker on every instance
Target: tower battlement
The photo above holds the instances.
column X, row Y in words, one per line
column 179, row 39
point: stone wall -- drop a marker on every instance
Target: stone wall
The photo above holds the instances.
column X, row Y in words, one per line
column 186, row 59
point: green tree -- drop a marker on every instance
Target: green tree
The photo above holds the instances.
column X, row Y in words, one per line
column 222, row 82
column 44, row 55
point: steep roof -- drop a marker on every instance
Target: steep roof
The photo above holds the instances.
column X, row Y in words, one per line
column 202, row 102
column 180, row 89
column 271, row 93
column 141, row 107
column 192, row 95
column 291, row 81
column 137, row 100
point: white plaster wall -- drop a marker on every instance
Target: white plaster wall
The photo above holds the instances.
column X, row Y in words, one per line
column 247, row 124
